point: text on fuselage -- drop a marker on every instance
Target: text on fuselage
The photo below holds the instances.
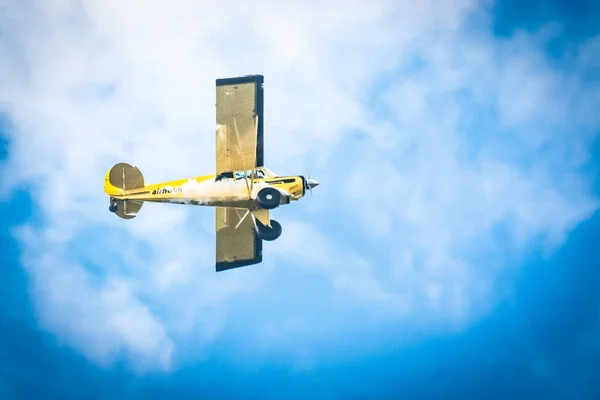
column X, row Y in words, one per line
column 167, row 190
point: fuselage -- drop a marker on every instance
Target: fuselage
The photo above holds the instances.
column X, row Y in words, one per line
column 229, row 189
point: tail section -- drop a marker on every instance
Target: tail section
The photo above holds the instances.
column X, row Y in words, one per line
column 120, row 181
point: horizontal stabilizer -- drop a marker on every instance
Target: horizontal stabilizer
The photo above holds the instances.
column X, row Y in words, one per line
column 128, row 209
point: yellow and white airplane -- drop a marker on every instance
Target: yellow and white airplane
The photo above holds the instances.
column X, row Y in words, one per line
column 243, row 190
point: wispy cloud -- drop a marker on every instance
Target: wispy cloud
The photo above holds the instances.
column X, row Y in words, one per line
column 432, row 139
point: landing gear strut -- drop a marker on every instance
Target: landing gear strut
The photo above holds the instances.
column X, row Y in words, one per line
column 268, row 233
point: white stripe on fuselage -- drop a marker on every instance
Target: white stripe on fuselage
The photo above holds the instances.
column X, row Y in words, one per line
column 209, row 191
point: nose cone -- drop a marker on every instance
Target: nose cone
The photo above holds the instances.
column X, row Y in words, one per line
column 312, row 183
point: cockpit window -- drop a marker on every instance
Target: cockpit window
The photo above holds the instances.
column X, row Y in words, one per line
column 224, row 175
column 239, row 174
column 258, row 174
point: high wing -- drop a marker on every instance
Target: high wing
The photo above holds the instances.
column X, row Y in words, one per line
column 239, row 130
column 237, row 242
column 239, row 138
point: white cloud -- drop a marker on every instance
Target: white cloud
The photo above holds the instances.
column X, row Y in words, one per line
column 104, row 319
column 480, row 135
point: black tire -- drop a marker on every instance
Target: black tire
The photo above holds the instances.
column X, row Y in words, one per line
column 113, row 208
column 268, row 233
column 268, row 198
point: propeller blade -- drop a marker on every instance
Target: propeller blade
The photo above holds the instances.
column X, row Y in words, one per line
column 310, row 184
column 307, row 185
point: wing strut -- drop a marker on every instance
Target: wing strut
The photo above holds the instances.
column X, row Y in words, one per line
column 241, row 218
column 255, row 145
column 239, row 146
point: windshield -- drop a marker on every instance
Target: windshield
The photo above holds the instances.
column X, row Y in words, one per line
column 268, row 172
column 258, row 174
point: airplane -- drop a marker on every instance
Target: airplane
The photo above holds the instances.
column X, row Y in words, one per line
column 243, row 190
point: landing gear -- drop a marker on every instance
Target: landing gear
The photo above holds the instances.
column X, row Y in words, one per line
column 268, row 233
column 268, row 198
column 113, row 206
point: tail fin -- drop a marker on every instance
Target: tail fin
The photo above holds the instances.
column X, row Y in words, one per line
column 125, row 177
column 122, row 180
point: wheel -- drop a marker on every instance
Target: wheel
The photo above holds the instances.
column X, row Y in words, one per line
column 113, row 208
column 268, row 198
column 266, row 233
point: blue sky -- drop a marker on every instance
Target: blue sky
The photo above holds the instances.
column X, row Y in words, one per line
column 457, row 260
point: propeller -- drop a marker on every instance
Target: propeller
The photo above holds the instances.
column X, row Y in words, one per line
column 310, row 183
